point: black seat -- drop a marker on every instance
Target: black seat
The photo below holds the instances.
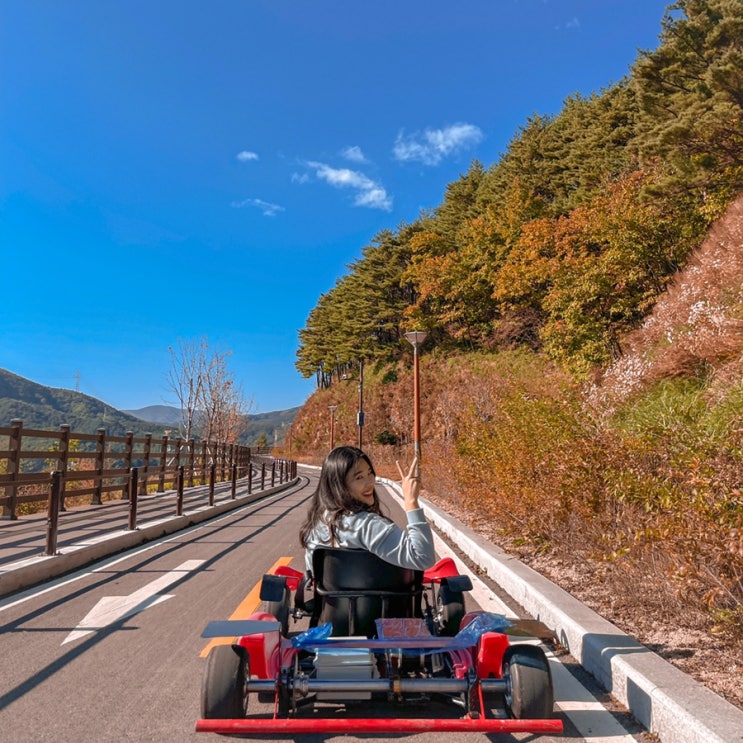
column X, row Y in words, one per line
column 355, row 587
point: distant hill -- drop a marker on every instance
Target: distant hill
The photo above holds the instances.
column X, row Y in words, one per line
column 163, row 414
column 270, row 427
column 47, row 408
column 262, row 427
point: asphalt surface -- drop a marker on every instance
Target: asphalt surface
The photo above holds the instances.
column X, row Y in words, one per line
column 71, row 674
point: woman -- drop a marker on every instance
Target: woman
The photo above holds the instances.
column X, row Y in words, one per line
column 345, row 512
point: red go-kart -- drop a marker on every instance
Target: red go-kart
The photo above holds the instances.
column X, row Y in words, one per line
column 387, row 650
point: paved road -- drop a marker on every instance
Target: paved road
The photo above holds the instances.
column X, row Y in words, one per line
column 113, row 652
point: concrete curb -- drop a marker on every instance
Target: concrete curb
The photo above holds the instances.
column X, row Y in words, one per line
column 26, row 573
column 662, row 698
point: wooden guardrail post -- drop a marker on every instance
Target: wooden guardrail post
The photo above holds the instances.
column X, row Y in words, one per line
column 212, row 477
column 163, row 463
column 133, row 491
column 176, row 460
column 234, row 481
column 14, row 464
column 145, row 463
column 191, row 444
column 273, row 473
column 179, row 498
column 128, row 451
column 263, row 475
column 204, row 463
column 63, row 460
column 100, row 455
column 250, row 477
column 52, row 520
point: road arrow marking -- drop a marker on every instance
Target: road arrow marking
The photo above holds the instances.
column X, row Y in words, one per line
column 112, row 609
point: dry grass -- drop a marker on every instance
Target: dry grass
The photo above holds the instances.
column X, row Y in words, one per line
column 627, row 493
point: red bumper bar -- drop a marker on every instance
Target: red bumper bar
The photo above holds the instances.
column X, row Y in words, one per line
column 294, row 725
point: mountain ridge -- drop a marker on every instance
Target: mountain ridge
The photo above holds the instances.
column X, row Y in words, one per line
column 46, row 408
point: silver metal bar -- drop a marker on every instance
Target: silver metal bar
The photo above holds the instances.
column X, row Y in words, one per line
column 405, row 685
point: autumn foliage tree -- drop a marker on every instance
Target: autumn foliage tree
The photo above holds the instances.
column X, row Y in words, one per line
column 566, row 242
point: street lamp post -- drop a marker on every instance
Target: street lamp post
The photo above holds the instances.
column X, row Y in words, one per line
column 416, row 337
column 332, row 409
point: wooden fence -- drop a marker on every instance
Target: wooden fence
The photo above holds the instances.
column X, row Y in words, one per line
column 98, row 465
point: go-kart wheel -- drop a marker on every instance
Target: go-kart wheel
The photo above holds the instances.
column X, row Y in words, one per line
column 224, row 686
column 281, row 610
column 529, row 693
column 451, row 610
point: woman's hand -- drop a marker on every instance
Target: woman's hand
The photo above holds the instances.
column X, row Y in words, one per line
column 410, row 485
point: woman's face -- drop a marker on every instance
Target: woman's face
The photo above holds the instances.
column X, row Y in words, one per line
column 360, row 483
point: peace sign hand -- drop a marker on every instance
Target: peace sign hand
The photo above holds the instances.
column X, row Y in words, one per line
column 410, row 484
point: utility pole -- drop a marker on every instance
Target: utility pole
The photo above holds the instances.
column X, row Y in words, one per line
column 332, row 409
column 360, row 417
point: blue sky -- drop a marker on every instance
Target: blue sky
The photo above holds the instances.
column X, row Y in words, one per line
column 180, row 169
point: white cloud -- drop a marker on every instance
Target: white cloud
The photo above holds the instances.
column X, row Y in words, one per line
column 354, row 154
column 300, row 178
column 268, row 209
column 246, row 156
column 369, row 193
column 433, row 145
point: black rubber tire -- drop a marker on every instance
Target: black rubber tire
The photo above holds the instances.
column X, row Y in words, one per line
column 529, row 694
column 451, row 610
column 224, row 690
column 281, row 610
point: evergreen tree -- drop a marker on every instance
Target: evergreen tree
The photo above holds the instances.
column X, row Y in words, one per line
column 691, row 96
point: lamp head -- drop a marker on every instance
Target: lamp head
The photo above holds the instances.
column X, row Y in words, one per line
column 416, row 337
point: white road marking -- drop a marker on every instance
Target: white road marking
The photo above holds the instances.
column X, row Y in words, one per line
column 112, row 609
column 590, row 717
